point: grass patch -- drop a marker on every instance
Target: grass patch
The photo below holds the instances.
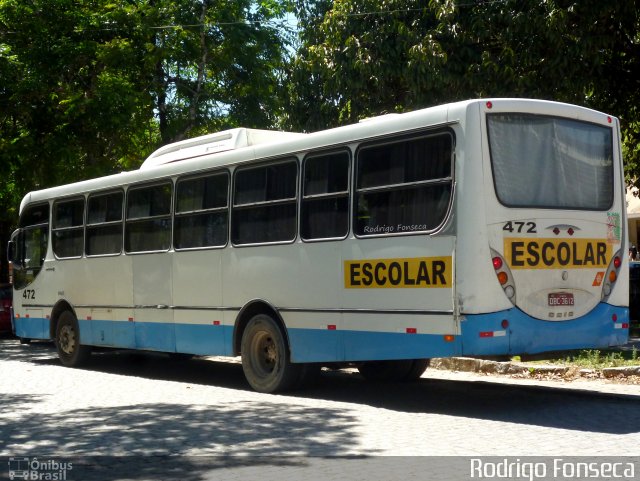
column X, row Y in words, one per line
column 597, row 359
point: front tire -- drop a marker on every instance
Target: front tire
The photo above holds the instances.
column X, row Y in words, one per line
column 70, row 352
column 265, row 357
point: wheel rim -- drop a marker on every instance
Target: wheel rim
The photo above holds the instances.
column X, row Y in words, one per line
column 264, row 354
column 67, row 339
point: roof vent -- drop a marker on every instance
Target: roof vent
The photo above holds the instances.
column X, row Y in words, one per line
column 213, row 143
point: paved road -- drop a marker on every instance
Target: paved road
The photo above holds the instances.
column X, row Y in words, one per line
column 152, row 407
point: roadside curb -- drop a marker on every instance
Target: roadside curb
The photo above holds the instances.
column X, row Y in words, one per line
column 466, row 364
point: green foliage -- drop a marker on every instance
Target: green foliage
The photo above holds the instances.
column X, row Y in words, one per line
column 90, row 87
column 596, row 359
column 359, row 58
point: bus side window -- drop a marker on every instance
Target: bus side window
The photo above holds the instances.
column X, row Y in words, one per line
column 201, row 218
column 68, row 228
column 148, row 223
column 104, row 224
column 325, row 196
column 264, row 205
column 403, row 186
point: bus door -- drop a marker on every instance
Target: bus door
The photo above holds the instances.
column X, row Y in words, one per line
column 152, row 302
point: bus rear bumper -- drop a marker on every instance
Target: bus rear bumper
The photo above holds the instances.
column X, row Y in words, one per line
column 512, row 332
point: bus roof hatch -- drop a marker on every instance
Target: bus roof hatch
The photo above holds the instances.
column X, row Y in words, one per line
column 213, row 143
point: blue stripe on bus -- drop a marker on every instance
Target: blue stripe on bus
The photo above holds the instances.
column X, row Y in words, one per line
column 316, row 345
column 481, row 332
column 32, row 327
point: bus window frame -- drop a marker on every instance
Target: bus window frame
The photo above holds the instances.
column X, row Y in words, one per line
column 295, row 200
column 53, row 230
column 349, row 192
column 100, row 193
column 227, row 208
column 548, row 116
column 395, row 138
column 19, row 234
column 142, row 185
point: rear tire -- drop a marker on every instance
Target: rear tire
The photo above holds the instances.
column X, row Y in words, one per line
column 265, row 357
column 385, row 371
column 70, row 351
column 418, row 367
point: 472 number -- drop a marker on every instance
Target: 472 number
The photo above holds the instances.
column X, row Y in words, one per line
column 518, row 226
column 29, row 294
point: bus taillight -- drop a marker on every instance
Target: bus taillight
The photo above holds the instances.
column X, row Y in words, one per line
column 612, row 275
column 504, row 276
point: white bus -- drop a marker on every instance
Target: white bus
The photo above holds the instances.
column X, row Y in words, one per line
column 479, row 228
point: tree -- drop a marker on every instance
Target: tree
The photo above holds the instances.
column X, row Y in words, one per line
column 90, row 88
column 375, row 56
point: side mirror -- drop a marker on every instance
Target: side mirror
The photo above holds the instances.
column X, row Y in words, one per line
column 11, row 251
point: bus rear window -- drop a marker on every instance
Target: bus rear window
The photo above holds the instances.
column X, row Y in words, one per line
column 549, row 162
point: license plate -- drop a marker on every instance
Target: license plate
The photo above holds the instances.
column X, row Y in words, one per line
column 559, row 299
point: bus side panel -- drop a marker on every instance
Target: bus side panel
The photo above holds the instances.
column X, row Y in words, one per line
column 197, row 297
column 152, row 298
column 405, row 317
column 107, row 322
column 302, row 281
column 32, row 324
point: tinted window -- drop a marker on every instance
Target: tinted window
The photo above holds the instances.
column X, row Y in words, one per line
column 148, row 224
column 68, row 228
column 325, row 196
column 31, row 244
column 104, row 224
column 403, row 186
column 201, row 212
column 264, row 208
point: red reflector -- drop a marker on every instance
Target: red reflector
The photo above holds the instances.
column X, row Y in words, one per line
column 131, row 319
column 486, row 334
column 412, row 330
column 609, row 119
column 617, row 262
column 556, row 231
column 88, row 318
column 27, row 316
column 614, row 318
column 504, row 324
column 625, row 325
column 489, row 105
column 331, row 327
column 570, row 231
column 216, row 323
column 497, row 263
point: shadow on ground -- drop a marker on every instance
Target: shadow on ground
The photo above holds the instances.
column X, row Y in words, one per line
column 559, row 408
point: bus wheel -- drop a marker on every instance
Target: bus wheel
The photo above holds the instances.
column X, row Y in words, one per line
column 418, row 367
column 265, row 357
column 385, row 371
column 70, row 351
